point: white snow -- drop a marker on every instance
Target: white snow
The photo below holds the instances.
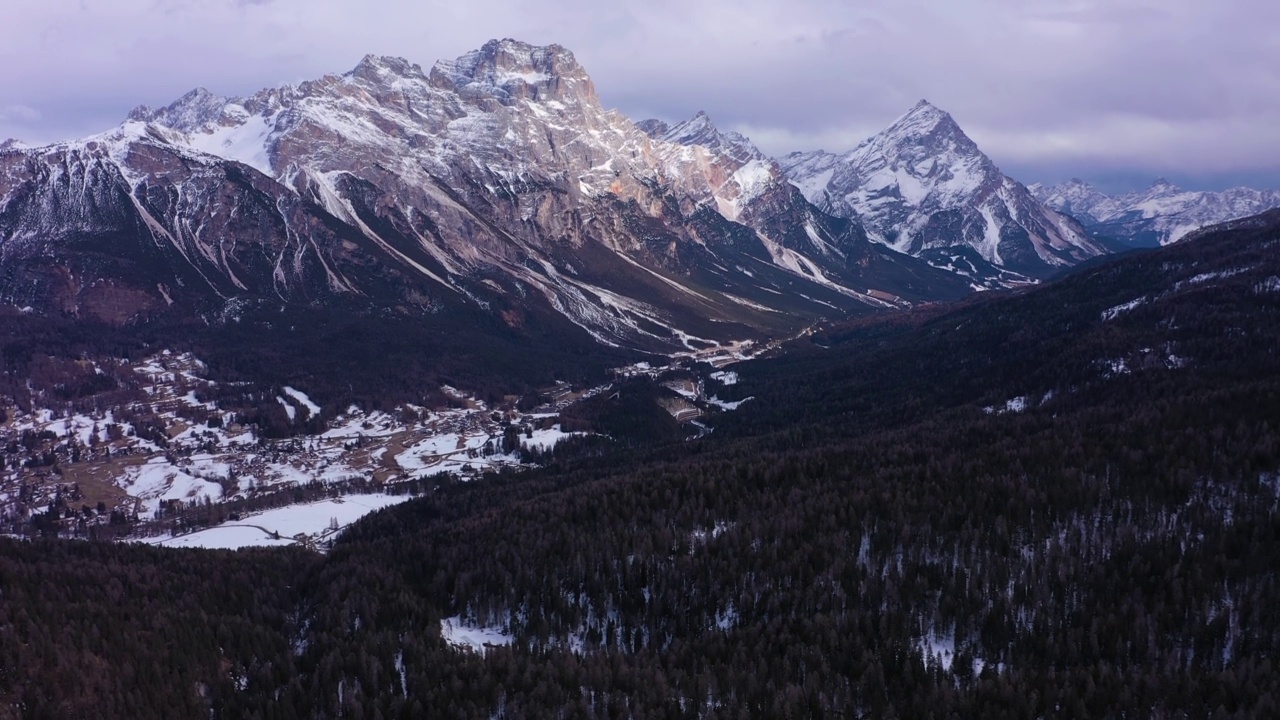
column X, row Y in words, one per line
column 989, row 247
column 157, row 480
column 530, row 77
column 303, row 400
column 289, row 410
column 430, row 451
column 814, row 186
column 1012, row 405
column 725, row 377
column 725, row 405
column 225, row 537
column 286, row 525
column 246, row 142
column 1112, row 313
column 468, row 637
column 1270, row 285
column 941, row 649
column 548, row 438
column 753, row 178
column 1112, row 368
column 1206, row 277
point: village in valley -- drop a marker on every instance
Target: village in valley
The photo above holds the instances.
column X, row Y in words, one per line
column 168, row 465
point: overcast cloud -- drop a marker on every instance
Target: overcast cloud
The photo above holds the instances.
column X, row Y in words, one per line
column 1111, row 90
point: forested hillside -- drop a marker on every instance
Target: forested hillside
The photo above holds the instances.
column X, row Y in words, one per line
column 1058, row 503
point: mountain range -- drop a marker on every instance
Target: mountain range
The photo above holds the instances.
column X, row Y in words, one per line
column 495, row 181
column 497, row 185
column 1161, row 214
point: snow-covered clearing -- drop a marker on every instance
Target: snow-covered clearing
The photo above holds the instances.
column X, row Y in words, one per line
column 156, row 481
column 309, row 523
column 468, row 637
column 725, row 377
column 302, row 399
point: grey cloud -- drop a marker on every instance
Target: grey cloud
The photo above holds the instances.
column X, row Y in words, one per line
column 20, row 114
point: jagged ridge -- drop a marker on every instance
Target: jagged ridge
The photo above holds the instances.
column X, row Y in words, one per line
column 923, row 187
column 1159, row 215
column 495, row 179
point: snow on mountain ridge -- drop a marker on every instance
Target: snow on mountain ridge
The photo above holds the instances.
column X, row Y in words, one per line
column 188, row 112
column 502, row 165
column 511, row 68
column 700, row 130
column 922, row 186
column 1161, row 214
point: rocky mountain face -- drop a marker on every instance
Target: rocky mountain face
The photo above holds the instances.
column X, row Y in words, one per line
column 924, row 188
column 495, row 181
column 1159, row 215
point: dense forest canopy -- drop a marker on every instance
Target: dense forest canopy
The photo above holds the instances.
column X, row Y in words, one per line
column 1061, row 502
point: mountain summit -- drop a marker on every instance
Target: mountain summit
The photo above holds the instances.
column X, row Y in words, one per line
column 511, row 70
column 923, row 187
column 494, row 183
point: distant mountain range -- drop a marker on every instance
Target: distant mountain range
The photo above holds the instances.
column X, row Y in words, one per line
column 1159, row 215
column 497, row 185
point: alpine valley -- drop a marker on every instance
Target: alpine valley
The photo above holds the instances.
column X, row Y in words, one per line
column 512, row 406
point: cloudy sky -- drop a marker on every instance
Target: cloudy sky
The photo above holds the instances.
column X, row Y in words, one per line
column 1114, row 91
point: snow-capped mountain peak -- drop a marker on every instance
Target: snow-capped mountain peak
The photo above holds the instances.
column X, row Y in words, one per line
column 385, row 68
column 189, row 112
column 922, row 158
column 700, row 130
column 515, row 70
column 926, row 124
column 1076, row 198
column 924, row 187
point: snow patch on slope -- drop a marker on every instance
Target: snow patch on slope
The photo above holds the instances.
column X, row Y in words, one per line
column 1113, row 313
column 473, row 638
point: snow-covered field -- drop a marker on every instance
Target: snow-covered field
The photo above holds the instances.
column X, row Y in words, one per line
column 157, row 480
column 469, row 637
column 725, row 377
column 308, row 523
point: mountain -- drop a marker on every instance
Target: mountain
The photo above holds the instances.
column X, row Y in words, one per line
column 1159, row 215
column 494, row 183
column 923, row 187
column 752, row 188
